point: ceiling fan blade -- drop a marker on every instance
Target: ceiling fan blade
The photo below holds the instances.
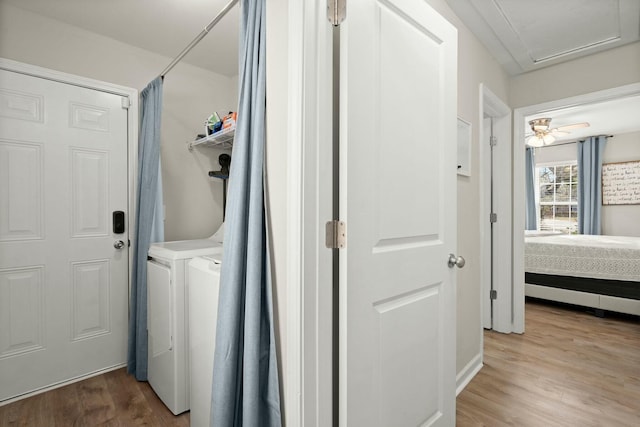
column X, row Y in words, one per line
column 573, row 126
column 557, row 132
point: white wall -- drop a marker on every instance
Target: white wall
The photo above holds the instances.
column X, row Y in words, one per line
column 603, row 70
column 475, row 66
column 193, row 203
column 556, row 153
column 617, row 220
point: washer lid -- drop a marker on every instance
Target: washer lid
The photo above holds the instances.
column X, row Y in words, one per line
column 209, row 264
column 214, row 258
column 184, row 249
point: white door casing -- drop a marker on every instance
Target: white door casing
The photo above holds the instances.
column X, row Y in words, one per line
column 63, row 285
column 398, row 198
column 307, row 360
column 496, row 118
column 484, row 223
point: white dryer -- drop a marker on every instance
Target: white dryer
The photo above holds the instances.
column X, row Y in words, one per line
column 204, row 284
column 168, row 316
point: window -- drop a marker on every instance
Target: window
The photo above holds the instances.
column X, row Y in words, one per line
column 558, row 196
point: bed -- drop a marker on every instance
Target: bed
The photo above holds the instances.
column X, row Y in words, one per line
column 602, row 272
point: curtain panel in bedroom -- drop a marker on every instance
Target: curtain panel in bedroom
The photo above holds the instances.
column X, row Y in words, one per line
column 590, row 153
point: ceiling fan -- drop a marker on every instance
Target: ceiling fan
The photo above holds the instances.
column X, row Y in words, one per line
column 543, row 134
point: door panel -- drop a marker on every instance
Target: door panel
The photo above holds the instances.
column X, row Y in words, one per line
column 63, row 285
column 89, row 193
column 21, row 302
column 397, row 194
column 21, row 191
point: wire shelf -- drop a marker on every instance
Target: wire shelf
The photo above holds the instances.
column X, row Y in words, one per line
column 221, row 139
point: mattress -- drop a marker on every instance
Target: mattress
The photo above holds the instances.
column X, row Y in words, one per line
column 599, row 257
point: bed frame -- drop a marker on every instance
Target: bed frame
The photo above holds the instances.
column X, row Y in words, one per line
column 600, row 294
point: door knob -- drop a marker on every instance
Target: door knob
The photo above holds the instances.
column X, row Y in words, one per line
column 118, row 244
column 456, row 261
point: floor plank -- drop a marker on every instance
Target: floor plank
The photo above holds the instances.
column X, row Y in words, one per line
column 569, row 368
column 114, row 399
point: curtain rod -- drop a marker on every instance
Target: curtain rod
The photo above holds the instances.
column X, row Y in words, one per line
column 199, row 37
column 569, row 142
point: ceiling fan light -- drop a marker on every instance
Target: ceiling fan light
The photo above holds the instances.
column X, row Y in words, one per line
column 535, row 141
column 548, row 139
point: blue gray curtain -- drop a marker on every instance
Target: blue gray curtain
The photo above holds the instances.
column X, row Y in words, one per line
column 531, row 222
column 590, row 154
column 148, row 166
column 157, row 226
column 245, row 389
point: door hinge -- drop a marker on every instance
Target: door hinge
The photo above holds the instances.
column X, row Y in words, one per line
column 126, row 102
column 336, row 234
column 493, row 217
column 336, row 11
column 493, row 294
column 493, row 141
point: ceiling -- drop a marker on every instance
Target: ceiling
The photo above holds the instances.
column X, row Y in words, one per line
column 525, row 35
column 165, row 27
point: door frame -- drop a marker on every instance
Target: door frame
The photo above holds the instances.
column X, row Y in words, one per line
column 492, row 106
column 132, row 156
column 518, row 163
column 308, row 360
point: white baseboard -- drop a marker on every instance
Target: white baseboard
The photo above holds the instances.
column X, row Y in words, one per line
column 465, row 376
column 62, row 384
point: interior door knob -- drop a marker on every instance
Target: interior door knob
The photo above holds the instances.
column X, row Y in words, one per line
column 456, row 261
column 118, row 244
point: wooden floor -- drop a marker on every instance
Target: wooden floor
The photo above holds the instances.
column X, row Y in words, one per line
column 570, row 368
column 112, row 399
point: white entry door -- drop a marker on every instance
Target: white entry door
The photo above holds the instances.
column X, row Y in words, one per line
column 398, row 197
column 63, row 284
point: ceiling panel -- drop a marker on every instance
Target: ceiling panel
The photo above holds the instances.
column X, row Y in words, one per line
column 525, row 35
column 543, row 33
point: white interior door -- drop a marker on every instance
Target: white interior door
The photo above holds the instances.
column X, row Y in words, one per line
column 63, row 284
column 398, row 197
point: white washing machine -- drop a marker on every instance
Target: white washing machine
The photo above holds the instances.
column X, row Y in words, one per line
column 167, row 316
column 204, row 283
